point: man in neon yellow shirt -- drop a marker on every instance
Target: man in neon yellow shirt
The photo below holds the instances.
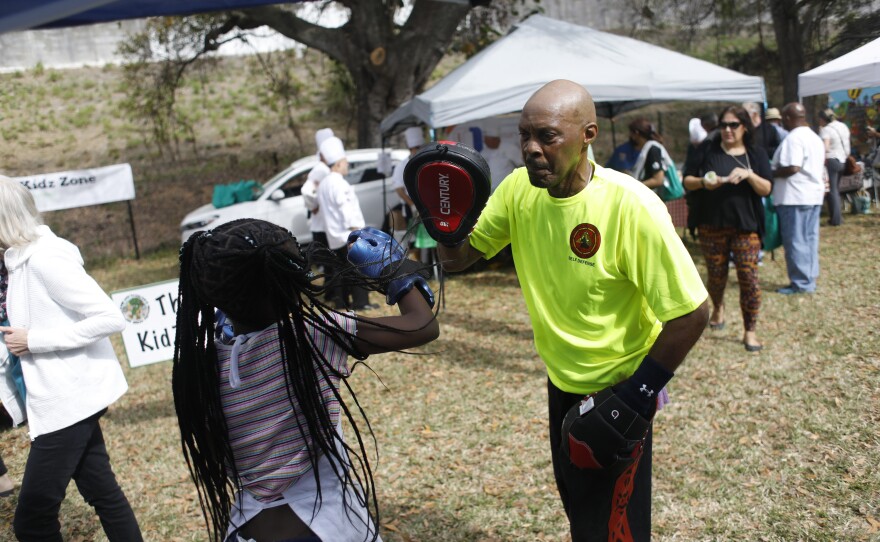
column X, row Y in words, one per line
column 614, row 298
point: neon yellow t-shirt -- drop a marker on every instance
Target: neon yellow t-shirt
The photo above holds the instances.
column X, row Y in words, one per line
column 599, row 272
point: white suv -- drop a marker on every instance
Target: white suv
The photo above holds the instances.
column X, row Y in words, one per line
column 281, row 203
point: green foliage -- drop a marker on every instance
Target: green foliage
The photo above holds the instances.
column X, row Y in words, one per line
column 485, row 24
column 83, row 116
column 337, row 96
column 281, row 91
column 157, row 62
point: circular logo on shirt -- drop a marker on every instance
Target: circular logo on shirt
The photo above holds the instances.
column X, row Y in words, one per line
column 585, row 240
column 135, row 309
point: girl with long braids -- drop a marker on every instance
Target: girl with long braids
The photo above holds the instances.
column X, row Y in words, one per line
column 257, row 367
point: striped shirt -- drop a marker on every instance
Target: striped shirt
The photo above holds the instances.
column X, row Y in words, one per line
column 269, row 449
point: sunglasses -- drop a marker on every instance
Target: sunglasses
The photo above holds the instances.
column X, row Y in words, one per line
column 731, row 125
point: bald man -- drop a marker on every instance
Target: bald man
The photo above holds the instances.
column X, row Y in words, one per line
column 798, row 193
column 614, row 298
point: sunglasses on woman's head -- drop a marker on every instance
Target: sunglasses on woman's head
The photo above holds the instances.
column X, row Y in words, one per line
column 731, row 125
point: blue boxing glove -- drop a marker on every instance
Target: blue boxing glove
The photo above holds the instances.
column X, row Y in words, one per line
column 372, row 250
column 377, row 255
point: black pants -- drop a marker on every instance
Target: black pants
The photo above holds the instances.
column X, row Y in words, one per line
column 343, row 293
column 835, row 168
column 3, row 469
column 320, row 238
column 76, row 452
column 588, row 495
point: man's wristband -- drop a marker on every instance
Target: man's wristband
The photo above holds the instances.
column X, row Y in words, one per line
column 703, row 181
column 640, row 390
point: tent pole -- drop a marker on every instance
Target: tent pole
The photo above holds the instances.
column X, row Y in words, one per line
column 384, row 195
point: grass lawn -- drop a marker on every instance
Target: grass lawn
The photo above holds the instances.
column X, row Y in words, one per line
column 782, row 445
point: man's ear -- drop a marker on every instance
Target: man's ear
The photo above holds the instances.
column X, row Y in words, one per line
column 591, row 131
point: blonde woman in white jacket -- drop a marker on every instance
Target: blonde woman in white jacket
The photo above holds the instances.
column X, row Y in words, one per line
column 59, row 323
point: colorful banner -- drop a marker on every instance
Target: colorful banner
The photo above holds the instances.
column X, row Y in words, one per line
column 857, row 107
column 151, row 313
column 69, row 189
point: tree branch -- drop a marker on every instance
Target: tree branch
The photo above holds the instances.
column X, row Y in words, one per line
column 331, row 41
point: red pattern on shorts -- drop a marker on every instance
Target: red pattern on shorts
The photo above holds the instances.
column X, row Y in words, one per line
column 618, row 523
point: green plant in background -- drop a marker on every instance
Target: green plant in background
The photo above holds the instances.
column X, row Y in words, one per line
column 282, row 90
column 337, row 96
column 152, row 79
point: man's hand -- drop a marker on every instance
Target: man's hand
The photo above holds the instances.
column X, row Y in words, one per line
column 16, row 339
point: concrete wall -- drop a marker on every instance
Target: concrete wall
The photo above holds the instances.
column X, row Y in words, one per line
column 93, row 45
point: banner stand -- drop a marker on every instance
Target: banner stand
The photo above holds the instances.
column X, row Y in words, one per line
column 137, row 252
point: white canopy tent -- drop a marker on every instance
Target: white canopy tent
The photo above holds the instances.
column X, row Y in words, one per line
column 621, row 73
column 857, row 69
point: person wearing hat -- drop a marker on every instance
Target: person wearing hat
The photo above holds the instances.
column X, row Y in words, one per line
column 414, row 140
column 309, row 193
column 836, row 137
column 502, row 157
column 338, row 203
column 774, row 119
column 320, row 136
column 422, row 242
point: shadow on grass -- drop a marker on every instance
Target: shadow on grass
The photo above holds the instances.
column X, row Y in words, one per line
column 501, row 278
column 135, row 413
column 476, row 357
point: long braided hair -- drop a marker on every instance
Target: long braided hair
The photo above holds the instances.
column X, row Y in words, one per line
column 256, row 273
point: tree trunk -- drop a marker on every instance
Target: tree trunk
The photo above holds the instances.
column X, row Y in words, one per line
column 388, row 64
column 789, row 43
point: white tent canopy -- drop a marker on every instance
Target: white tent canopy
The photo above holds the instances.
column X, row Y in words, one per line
column 621, row 73
column 857, row 69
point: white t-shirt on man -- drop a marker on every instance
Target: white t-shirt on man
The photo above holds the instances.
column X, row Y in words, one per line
column 805, row 149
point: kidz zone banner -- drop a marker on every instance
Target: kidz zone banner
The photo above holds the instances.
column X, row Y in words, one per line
column 151, row 313
column 69, row 189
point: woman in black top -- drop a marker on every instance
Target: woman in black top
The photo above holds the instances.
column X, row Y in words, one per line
column 728, row 186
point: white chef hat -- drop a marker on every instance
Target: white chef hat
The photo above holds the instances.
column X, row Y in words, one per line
column 318, row 172
column 321, row 135
column 332, row 150
column 697, row 132
column 414, row 137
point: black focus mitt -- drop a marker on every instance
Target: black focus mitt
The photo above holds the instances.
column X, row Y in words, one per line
column 449, row 183
column 602, row 432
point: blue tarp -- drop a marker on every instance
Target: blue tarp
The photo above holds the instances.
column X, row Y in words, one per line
column 33, row 14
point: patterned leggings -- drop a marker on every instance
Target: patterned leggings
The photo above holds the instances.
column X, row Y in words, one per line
column 717, row 245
